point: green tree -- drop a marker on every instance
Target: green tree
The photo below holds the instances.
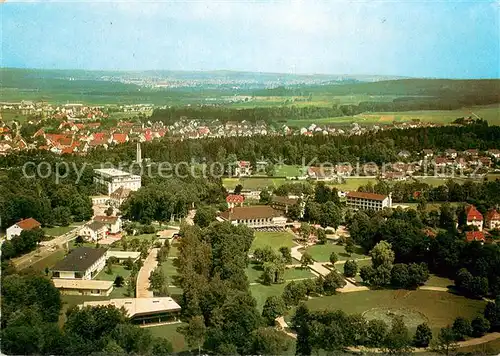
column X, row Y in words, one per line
column 445, row 343
column 398, row 340
column 423, row 335
column 286, row 253
column 306, row 260
column 269, row 341
column 480, row 326
column 349, row 247
column 158, row 281
column 462, row 328
column 332, row 282
column 273, row 308
column 382, row 254
column 204, row 216
column 333, row 258
column 350, row 268
column 161, row 347
column 265, row 196
column 305, row 230
column 321, row 234
column 118, row 281
column 377, row 332
column 195, row 332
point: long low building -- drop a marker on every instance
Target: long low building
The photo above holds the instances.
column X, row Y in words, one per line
column 123, row 255
column 83, row 286
column 254, row 216
column 144, row 310
column 81, row 263
column 368, row 201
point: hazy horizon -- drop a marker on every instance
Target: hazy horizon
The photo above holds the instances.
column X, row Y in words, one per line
column 445, row 40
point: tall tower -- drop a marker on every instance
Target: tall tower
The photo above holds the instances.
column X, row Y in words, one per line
column 138, row 155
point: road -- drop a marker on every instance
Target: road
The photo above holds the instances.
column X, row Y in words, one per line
column 46, row 249
column 150, row 263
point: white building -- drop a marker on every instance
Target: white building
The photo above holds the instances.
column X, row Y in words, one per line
column 93, row 231
column 110, row 179
column 254, row 216
column 81, row 263
column 368, row 201
column 23, row 225
column 113, row 223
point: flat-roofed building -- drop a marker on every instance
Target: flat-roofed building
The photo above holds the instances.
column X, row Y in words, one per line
column 144, row 310
column 254, row 216
column 111, row 179
column 83, row 286
column 368, row 201
column 123, row 255
column 81, row 263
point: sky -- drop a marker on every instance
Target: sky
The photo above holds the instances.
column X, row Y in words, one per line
column 444, row 39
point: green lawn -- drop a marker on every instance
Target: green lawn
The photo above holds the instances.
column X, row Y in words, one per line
column 436, row 281
column 118, row 270
column 48, row 261
column 254, row 271
column 261, row 292
column 170, row 271
column 174, row 250
column 440, row 308
column 321, row 253
column 57, row 230
column 273, row 239
column 289, row 171
column 170, row 333
column 253, row 183
column 353, row 183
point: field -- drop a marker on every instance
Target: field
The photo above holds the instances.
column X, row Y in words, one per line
column 252, row 183
column 436, row 281
column 353, row 183
column 48, row 261
column 440, row 308
column 321, row 253
column 170, row 333
column 57, row 230
column 261, row 292
column 273, row 239
column 491, row 113
column 118, row 270
column 169, row 271
column 289, row 171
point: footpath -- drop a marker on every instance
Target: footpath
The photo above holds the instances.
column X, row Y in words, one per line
column 150, row 263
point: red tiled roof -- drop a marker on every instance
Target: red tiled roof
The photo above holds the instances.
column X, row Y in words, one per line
column 244, row 163
column 475, row 236
column 473, row 214
column 28, row 224
column 369, row 196
column 67, row 150
column 106, row 219
column 120, row 137
column 492, row 215
column 235, row 198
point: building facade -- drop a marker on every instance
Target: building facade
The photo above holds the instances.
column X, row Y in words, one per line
column 474, row 217
column 23, row 225
column 81, row 263
column 368, row 201
column 254, row 217
column 110, row 179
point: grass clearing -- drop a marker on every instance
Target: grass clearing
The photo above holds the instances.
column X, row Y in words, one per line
column 118, row 270
column 57, row 230
column 321, row 253
column 353, row 183
column 261, row 292
column 254, row 272
column 49, row 261
column 273, row 239
column 440, row 308
column 436, row 281
column 289, row 171
column 170, row 333
column 170, row 271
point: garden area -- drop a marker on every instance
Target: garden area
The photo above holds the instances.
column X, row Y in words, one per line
column 117, row 270
column 254, row 272
column 321, row 253
column 273, row 239
column 169, row 332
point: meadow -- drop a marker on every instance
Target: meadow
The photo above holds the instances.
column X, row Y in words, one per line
column 273, row 239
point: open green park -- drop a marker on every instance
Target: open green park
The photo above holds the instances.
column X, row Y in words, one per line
column 321, row 253
column 273, row 239
column 116, row 270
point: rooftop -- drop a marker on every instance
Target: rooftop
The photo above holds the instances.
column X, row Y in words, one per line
column 250, row 212
column 140, row 306
column 363, row 195
column 28, row 224
column 112, row 172
column 81, row 284
column 80, row 259
column 96, row 225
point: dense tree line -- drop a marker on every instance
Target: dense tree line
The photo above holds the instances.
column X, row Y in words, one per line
column 445, row 252
column 216, row 300
column 26, row 242
column 483, row 195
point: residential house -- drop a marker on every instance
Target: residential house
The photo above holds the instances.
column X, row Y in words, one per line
column 472, row 152
column 119, row 196
column 113, row 224
column 321, row 173
column 20, row 226
column 284, row 203
column 243, row 169
column 427, row 153
column 474, row 217
column 494, row 153
column 233, row 200
column 81, row 263
column 93, row 231
column 475, row 236
column 368, row 201
column 493, row 219
column 451, row 153
column 254, row 216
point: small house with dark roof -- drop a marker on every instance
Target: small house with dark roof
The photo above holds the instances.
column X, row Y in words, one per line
column 20, row 226
column 94, row 231
column 81, row 263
